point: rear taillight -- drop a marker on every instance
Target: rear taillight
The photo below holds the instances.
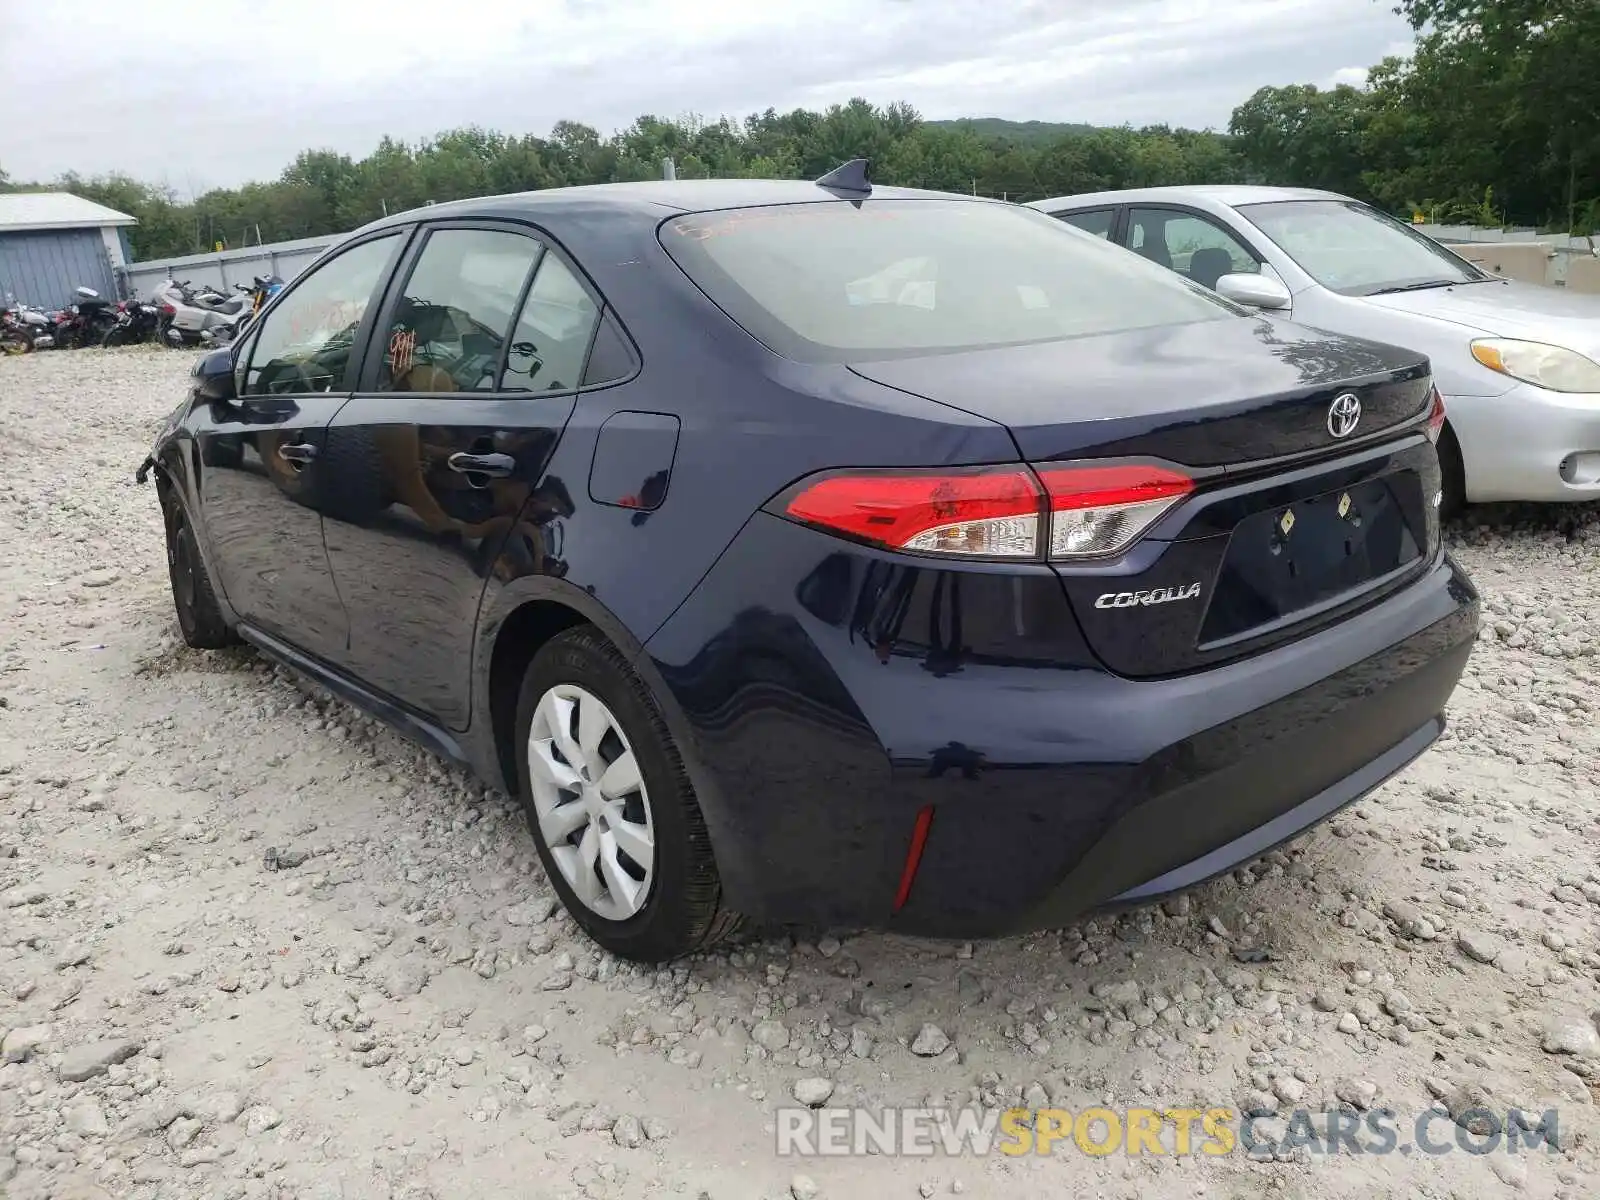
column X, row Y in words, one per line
column 982, row 513
column 1016, row 512
column 168, row 310
column 1098, row 510
column 1436, row 416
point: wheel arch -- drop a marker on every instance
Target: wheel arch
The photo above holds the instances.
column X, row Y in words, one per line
column 1452, row 471
column 523, row 632
column 514, row 623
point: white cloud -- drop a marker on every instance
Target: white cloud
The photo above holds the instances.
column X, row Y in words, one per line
column 1354, row 76
column 201, row 102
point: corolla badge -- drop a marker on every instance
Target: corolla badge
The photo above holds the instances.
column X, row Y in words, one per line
column 1344, row 414
column 1153, row 596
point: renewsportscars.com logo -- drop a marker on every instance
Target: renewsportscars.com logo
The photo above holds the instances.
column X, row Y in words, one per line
column 1170, row 1132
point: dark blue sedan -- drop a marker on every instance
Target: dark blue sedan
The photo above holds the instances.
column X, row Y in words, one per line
column 828, row 553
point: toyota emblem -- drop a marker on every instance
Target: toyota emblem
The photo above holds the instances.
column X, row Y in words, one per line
column 1344, row 414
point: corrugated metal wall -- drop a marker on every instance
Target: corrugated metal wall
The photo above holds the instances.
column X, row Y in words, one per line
column 222, row 271
column 43, row 268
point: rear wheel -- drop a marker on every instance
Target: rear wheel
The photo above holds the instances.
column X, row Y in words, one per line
column 115, row 336
column 199, row 615
column 613, row 813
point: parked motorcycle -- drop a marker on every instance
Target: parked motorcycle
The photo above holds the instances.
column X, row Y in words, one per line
column 262, row 289
column 136, row 322
column 23, row 328
column 191, row 317
column 84, row 323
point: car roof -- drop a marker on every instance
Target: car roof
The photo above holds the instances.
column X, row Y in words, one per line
column 1229, row 195
column 653, row 199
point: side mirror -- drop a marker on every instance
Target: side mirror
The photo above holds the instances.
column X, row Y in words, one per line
column 213, row 377
column 1254, row 291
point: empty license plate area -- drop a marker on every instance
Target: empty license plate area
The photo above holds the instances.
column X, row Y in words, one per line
column 1282, row 561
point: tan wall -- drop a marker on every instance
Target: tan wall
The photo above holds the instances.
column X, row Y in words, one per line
column 1527, row 261
column 1583, row 275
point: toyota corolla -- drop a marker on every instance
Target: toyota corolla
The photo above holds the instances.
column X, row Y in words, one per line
column 828, row 553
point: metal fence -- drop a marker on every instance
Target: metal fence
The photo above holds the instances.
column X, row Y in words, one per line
column 288, row 259
column 226, row 268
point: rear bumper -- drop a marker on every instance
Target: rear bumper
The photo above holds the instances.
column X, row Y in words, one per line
column 818, row 730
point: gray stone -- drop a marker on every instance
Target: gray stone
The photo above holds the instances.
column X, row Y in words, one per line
column 261, row 1118
column 1570, row 1035
column 770, row 1035
column 1480, row 947
column 1124, row 994
column 1358, row 1093
column 931, row 1041
column 20, row 1044
column 87, row 1118
column 813, row 1092
column 627, row 1132
column 1407, row 917
column 85, row 1062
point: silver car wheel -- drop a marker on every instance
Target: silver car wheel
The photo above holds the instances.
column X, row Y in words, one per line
column 590, row 800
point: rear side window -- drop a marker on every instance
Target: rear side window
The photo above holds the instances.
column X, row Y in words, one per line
column 841, row 281
column 1096, row 220
column 553, row 332
column 611, row 358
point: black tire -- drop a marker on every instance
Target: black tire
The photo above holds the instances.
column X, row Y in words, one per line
column 199, row 615
column 115, row 336
column 683, row 909
column 1452, row 476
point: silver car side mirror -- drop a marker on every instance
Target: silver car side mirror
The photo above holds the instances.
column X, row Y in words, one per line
column 1255, row 291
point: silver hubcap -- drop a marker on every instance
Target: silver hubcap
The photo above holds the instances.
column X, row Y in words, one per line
column 590, row 800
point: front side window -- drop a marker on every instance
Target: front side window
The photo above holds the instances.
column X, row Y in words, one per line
column 1189, row 244
column 1355, row 250
column 1097, row 221
column 305, row 343
column 841, row 281
column 450, row 323
column 553, row 332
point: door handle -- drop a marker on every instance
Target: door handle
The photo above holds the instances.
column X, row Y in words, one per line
column 495, row 465
column 300, row 454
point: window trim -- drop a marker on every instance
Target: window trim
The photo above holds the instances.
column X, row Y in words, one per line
column 550, row 245
column 358, row 351
column 1187, row 210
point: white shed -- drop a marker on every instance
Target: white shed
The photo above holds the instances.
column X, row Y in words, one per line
column 53, row 242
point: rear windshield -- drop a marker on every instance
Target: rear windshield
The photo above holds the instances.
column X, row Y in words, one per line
column 855, row 281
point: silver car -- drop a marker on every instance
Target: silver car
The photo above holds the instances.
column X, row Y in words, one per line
column 1516, row 362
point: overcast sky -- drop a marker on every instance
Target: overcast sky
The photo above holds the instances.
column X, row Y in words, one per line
column 199, row 96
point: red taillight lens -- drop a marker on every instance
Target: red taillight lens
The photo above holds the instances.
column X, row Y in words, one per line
column 1436, row 416
column 168, row 310
column 1092, row 510
column 1098, row 510
column 986, row 513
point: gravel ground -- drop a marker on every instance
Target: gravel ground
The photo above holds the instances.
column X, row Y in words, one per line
column 397, row 1010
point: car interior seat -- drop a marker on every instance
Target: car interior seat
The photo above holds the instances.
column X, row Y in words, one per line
column 1209, row 265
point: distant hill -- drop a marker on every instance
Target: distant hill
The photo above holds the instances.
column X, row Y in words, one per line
column 1024, row 133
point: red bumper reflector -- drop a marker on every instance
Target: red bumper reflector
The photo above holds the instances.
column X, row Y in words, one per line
column 919, row 839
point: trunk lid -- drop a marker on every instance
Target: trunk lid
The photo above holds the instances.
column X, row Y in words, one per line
column 1208, row 394
column 1289, row 528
